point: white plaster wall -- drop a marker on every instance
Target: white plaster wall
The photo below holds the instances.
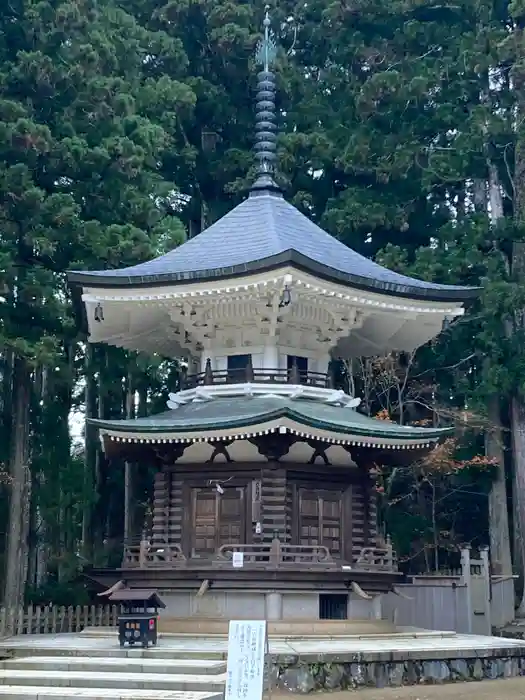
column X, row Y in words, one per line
column 301, row 606
column 360, row 609
column 296, row 605
column 215, row 604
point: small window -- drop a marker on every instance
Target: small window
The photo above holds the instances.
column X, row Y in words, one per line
column 302, row 366
column 237, row 367
column 333, row 606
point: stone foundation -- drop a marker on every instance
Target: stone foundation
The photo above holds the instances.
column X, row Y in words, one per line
column 260, row 605
column 305, row 663
column 298, row 677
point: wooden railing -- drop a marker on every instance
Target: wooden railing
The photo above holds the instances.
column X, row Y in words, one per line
column 275, row 555
column 145, row 555
column 278, row 555
column 263, row 376
column 376, row 559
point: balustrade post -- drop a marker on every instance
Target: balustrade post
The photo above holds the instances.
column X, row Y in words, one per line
column 143, row 552
column 208, row 373
column 330, row 378
column 275, row 552
column 295, row 377
column 183, row 378
column 389, row 553
column 466, row 580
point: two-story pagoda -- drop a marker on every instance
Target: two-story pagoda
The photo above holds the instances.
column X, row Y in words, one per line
column 262, row 493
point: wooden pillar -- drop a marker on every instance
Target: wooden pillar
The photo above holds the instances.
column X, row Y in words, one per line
column 175, row 516
column 364, row 502
column 273, row 500
column 161, row 498
column 367, row 503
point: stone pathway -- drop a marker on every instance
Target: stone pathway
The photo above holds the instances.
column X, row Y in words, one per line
column 414, row 644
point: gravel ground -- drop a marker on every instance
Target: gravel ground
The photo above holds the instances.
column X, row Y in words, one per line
column 511, row 689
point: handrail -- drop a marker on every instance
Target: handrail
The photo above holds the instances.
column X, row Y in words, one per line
column 376, row 559
column 270, row 556
column 269, row 376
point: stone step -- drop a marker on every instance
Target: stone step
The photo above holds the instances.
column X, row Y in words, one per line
column 105, row 680
column 39, row 693
column 201, row 667
column 61, row 650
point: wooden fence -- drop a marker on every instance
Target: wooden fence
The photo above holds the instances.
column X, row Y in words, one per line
column 47, row 619
column 469, row 601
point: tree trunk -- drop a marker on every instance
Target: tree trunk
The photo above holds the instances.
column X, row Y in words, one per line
column 499, row 532
column 518, row 275
column 16, row 568
column 128, row 475
column 518, row 448
column 90, row 455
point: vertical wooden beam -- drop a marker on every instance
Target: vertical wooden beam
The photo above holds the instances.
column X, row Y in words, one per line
column 273, row 503
column 367, row 494
column 161, row 498
column 176, row 507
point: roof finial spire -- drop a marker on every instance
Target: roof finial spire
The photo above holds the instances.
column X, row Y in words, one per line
column 265, row 125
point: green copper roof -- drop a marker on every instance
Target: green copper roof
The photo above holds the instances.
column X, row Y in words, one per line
column 243, row 412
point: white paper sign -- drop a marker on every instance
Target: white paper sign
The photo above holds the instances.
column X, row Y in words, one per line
column 238, row 560
column 246, row 655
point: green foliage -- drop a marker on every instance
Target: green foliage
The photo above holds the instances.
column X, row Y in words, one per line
column 391, row 114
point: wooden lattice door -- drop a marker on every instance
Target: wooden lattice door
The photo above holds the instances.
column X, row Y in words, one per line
column 204, row 525
column 217, row 519
column 321, row 519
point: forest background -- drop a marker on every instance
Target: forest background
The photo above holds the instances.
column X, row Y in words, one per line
column 126, row 127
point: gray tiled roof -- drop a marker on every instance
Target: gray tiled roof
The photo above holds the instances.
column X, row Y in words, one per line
column 261, row 233
column 242, row 411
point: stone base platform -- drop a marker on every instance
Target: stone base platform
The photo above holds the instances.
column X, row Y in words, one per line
column 300, row 665
column 212, row 627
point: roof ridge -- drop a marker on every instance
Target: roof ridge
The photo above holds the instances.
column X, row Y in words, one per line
column 270, row 210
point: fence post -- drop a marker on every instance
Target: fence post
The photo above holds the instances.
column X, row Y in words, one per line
column 466, row 579
column 485, row 572
column 29, row 627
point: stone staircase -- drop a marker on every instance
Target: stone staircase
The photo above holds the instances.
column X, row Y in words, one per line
column 129, row 675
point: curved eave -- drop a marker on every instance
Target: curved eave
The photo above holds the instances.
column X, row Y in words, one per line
column 289, row 257
column 283, row 420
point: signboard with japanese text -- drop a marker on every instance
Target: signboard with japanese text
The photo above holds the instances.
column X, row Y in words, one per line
column 247, row 660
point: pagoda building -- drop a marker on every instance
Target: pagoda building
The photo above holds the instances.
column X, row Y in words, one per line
column 263, row 496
